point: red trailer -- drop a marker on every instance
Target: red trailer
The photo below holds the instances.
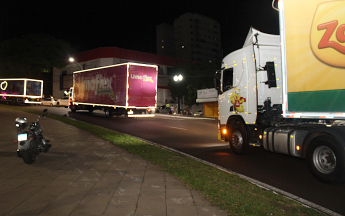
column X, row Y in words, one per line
column 128, row 88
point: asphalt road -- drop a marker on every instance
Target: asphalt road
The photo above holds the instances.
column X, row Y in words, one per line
column 198, row 137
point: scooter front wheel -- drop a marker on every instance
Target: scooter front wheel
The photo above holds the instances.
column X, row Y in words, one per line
column 28, row 156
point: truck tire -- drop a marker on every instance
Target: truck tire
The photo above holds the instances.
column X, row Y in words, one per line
column 325, row 159
column 73, row 109
column 108, row 113
column 238, row 140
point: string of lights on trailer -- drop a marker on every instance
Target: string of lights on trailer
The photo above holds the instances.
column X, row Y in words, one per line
column 4, row 86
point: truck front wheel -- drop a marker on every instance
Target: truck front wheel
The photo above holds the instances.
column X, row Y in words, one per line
column 325, row 160
column 73, row 109
column 238, row 140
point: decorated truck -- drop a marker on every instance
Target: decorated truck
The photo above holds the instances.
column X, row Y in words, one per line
column 287, row 93
column 128, row 89
column 21, row 90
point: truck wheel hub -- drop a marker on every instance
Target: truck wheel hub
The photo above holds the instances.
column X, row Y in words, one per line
column 237, row 139
column 324, row 159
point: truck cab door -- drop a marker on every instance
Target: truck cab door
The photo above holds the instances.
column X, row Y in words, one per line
column 238, row 85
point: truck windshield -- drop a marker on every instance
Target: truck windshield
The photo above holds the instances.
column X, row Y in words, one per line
column 228, row 76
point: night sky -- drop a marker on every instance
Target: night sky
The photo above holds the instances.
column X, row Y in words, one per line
column 130, row 24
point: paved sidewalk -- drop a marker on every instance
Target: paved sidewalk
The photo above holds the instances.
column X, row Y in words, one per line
column 85, row 175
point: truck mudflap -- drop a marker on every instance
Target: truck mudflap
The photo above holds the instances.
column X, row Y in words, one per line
column 285, row 141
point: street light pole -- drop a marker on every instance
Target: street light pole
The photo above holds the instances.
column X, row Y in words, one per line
column 178, row 79
column 73, row 60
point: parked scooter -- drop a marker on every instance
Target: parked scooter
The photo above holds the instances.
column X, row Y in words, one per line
column 31, row 141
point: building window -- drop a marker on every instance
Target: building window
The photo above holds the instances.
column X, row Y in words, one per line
column 170, row 71
column 63, row 73
column 160, row 70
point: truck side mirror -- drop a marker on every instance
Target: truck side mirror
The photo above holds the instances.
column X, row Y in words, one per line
column 271, row 75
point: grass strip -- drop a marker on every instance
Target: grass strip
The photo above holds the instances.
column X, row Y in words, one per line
column 229, row 192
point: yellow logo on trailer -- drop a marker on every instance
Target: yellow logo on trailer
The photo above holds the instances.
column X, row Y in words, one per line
column 327, row 37
column 315, row 59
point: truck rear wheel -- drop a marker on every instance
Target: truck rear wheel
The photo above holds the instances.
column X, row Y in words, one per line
column 325, row 159
column 238, row 140
column 108, row 112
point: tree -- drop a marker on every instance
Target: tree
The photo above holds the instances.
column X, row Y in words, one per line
column 32, row 56
column 195, row 77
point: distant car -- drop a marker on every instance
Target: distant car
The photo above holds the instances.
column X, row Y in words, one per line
column 63, row 102
column 162, row 110
column 48, row 102
column 198, row 113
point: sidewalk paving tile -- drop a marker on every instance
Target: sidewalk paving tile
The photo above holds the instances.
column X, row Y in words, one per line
column 85, row 175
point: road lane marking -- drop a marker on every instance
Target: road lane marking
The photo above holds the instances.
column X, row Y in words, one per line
column 177, row 128
column 184, row 117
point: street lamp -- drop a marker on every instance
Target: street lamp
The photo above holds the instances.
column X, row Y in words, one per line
column 71, row 59
column 178, row 79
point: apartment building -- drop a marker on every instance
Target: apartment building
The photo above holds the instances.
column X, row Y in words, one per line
column 196, row 38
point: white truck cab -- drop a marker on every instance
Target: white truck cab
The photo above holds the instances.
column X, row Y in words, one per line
column 250, row 76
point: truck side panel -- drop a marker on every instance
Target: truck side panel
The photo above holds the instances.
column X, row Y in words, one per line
column 15, row 87
column 314, row 52
column 12, row 87
column 102, row 86
column 142, row 83
column 34, row 88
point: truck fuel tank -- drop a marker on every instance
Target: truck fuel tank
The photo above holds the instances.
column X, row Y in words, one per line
column 285, row 141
